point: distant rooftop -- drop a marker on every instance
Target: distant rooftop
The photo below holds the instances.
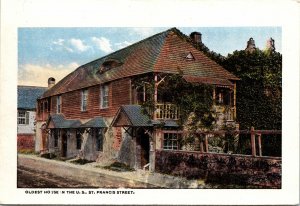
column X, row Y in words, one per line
column 27, row 96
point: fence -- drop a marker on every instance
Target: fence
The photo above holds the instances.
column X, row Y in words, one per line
column 255, row 139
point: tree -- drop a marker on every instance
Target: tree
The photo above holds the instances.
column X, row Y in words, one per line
column 259, row 99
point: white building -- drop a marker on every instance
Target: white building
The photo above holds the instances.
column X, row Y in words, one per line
column 27, row 96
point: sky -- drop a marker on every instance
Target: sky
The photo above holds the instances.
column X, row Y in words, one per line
column 55, row 52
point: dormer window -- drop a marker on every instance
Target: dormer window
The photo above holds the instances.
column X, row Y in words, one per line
column 190, row 56
column 109, row 64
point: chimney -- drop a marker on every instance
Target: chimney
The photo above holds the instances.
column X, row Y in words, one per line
column 250, row 45
column 196, row 37
column 51, row 82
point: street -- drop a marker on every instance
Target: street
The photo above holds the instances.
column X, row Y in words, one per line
column 29, row 178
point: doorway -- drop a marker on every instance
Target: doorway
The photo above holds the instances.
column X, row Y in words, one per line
column 145, row 146
column 64, row 144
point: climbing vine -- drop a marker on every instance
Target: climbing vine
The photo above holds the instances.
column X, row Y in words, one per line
column 194, row 100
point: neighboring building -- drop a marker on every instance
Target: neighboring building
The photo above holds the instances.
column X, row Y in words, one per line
column 95, row 113
column 27, row 97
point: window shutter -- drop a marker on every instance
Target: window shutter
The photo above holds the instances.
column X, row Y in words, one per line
column 27, row 118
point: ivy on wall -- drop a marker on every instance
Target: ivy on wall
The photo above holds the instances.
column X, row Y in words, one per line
column 194, row 101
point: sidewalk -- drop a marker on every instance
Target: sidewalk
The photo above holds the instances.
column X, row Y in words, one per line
column 92, row 173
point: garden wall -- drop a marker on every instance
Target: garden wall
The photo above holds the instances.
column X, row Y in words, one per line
column 243, row 170
column 25, row 142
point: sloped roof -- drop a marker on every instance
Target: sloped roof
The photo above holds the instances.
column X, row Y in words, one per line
column 60, row 122
column 27, row 96
column 164, row 52
column 134, row 117
column 206, row 80
column 95, row 122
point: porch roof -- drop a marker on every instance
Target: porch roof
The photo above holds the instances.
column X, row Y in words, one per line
column 207, row 80
column 58, row 121
column 95, row 122
column 133, row 116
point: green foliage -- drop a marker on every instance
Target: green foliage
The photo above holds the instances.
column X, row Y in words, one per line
column 81, row 161
column 191, row 98
column 118, row 167
column 48, row 155
column 259, row 100
column 27, row 151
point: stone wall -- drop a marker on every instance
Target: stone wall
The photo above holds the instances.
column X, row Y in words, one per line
column 25, row 141
column 226, row 169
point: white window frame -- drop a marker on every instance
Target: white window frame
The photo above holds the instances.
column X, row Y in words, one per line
column 24, row 118
column 84, row 99
column 104, row 96
column 58, row 104
column 171, row 141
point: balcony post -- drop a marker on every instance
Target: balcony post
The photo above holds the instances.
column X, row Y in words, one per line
column 214, row 94
column 155, row 96
column 234, row 100
column 253, row 147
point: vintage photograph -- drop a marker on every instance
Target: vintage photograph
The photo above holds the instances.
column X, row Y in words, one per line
column 149, row 107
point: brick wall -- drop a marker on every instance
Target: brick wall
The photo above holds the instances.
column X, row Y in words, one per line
column 25, row 141
column 221, row 168
column 119, row 94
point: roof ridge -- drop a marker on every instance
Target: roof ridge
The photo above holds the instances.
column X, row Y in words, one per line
column 40, row 87
column 134, row 44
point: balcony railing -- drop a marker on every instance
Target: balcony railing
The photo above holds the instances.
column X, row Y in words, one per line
column 166, row 111
column 228, row 112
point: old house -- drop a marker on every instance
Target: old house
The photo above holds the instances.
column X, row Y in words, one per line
column 95, row 112
column 27, row 97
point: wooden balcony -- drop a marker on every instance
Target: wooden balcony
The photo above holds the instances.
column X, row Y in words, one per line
column 166, row 111
column 228, row 112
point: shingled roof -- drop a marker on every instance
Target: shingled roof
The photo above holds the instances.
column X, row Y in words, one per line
column 59, row 121
column 164, row 52
column 97, row 122
column 133, row 116
column 27, row 96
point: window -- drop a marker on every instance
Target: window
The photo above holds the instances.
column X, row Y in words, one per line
column 49, row 104
column 190, row 57
column 40, row 107
column 56, row 136
column 104, row 96
column 143, row 94
column 224, row 96
column 45, row 106
column 78, row 140
column 23, row 117
column 171, row 141
column 84, row 98
column 59, row 104
column 99, row 139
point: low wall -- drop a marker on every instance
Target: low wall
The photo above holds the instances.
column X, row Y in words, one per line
column 226, row 169
column 25, row 142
